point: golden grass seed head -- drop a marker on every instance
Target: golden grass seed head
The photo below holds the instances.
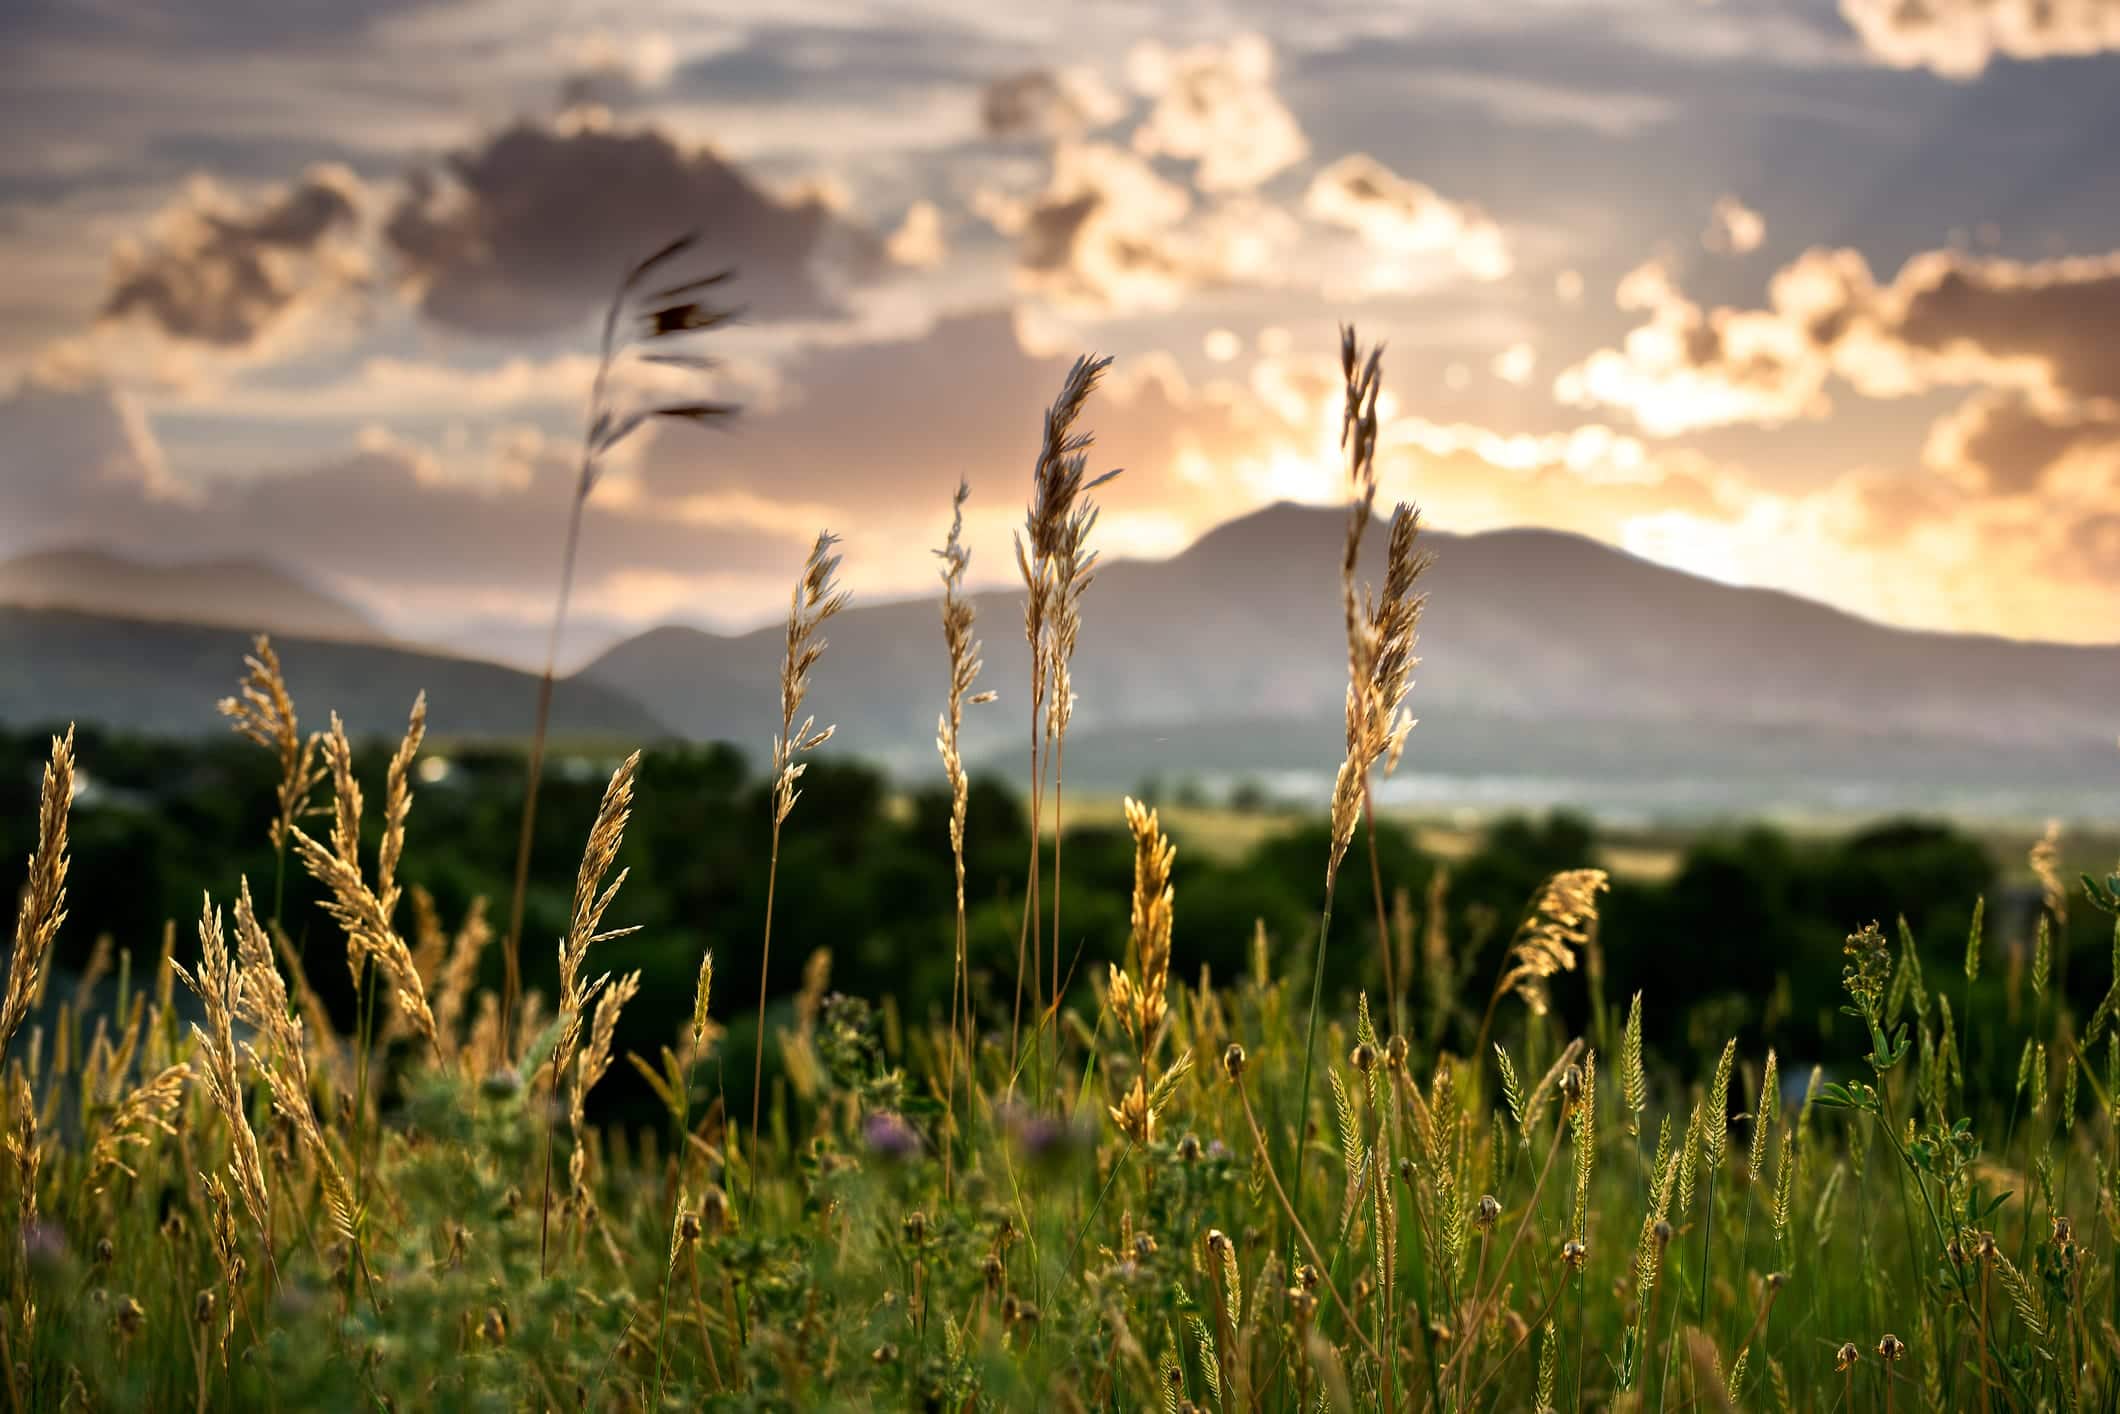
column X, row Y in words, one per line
column 1233, row 1062
column 1487, row 1213
column 1891, row 1348
column 1847, row 1356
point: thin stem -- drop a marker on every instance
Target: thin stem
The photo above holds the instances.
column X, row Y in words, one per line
column 758, row 1050
column 958, row 988
column 1393, row 1007
column 1521, row 1340
column 1707, row 1234
column 1479, row 1311
column 1578, row 1340
column 1059, row 778
column 1310, row 1039
column 1030, row 891
column 1317, row 1260
column 511, row 953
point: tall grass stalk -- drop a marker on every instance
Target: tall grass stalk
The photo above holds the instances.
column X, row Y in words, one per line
column 816, row 598
column 636, row 314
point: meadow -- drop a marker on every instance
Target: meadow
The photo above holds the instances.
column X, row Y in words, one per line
column 1024, row 1113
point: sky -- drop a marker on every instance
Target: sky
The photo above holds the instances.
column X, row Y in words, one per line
column 1819, row 295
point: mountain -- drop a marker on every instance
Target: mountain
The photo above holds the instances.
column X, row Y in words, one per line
column 1546, row 658
column 165, row 678
column 230, row 593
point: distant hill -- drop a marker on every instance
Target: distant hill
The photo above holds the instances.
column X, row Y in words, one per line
column 227, row 593
column 165, row 678
column 1543, row 653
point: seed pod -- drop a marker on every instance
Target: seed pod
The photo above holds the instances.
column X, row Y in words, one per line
column 1233, row 1061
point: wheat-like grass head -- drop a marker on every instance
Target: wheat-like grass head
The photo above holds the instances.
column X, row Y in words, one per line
column 1559, row 921
column 816, row 598
column 43, row 905
column 263, row 712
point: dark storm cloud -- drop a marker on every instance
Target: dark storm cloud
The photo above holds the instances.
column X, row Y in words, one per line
column 527, row 231
column 222, row 274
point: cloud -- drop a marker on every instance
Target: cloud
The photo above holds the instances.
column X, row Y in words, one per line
column 1404, row 218
column 1215, row 106
column 216, row 271
column 1734, row 228
column 2003, row 443
column 1044, row 103
column 1959, row 38
column 1688, row 368
column 918, row 242
column 1515, row 364
column 600, row 66
column 74, row 443
column 1108, row 233
column 526, row 232
column 1946, row 320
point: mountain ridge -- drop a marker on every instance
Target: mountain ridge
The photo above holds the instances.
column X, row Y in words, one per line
column 164, row 678
column 1529, row 625
column 226, row 592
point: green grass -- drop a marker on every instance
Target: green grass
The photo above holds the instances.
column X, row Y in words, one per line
column 1058, row 1260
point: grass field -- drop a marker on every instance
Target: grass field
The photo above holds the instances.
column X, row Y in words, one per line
column 1155, row 1188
